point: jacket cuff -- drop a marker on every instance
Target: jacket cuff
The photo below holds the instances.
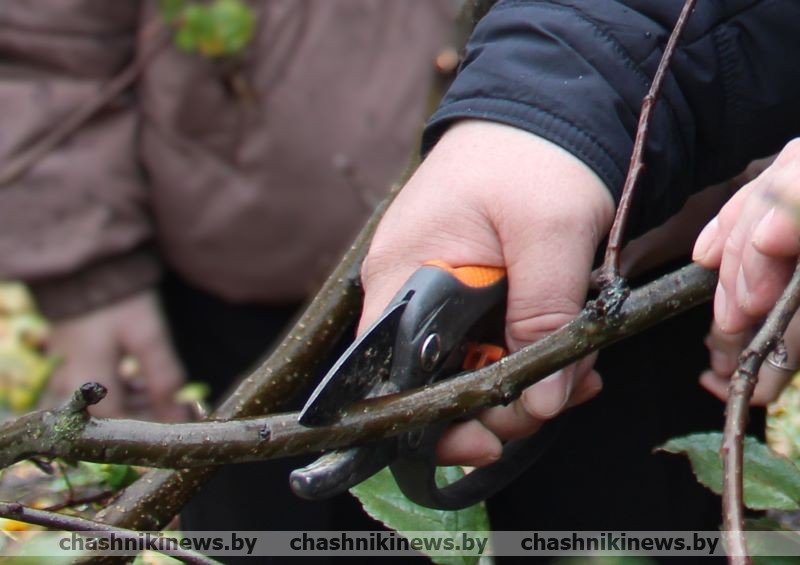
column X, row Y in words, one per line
column 96, row 285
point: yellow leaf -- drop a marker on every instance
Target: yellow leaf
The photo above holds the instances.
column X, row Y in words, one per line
column 15, row 298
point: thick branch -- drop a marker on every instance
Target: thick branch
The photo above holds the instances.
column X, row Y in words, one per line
column 740, row 392
column 610, row 270
column 56, row 521
column 153, row 500
column 153, row 444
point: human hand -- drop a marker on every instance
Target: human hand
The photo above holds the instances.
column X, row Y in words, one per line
column 676, row 237
column 92, row 346
column 489, row 194
column 753, row 241
column 725, row 350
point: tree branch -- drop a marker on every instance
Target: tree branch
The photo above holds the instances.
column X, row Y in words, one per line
column 740, row 392
column 56, row 521
column 609, row 273
column 152, row 501
column 59, row 434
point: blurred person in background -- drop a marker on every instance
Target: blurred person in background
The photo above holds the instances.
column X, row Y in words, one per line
column 186, row 222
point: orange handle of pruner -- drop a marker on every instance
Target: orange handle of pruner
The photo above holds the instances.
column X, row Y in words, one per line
column 472, row 276
column 478, row 355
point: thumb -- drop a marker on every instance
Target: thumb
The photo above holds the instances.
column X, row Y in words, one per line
column 548, row 271
column 547, row 289
column 549, row 245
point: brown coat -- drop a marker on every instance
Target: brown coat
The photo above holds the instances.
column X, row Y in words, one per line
column 251, row 199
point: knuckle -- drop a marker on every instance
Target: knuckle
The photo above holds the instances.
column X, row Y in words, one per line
column 493, row 454
column 732, row 248
column 380, row 259
column 727, row 217
column 726, row 342
column 790, row 152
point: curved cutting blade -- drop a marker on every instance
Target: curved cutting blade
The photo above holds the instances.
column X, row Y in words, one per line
column 363, row 367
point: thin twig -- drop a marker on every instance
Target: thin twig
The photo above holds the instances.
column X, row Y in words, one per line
column 217, row 442
column 610, row 270
column 56, row 521
column 19, row 164
column 740, row 392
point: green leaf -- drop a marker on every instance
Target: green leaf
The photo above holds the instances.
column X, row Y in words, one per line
column 383, row 500
column 193, row 392
column 118, row 476
column 196, row 23
column 224, row 27
column 781, row 539
column 234, row 24
column 770, row 480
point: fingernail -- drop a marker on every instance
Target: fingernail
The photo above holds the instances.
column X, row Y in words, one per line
column 722, row 363
column 547, row 397
column 742, row 292
column 721, row 307
column 764, row 227
column 704, row 241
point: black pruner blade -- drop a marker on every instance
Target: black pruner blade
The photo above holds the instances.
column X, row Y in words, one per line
column 358, row 373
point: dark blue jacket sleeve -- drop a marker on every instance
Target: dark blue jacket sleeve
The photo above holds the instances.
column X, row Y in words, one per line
column 575, row 72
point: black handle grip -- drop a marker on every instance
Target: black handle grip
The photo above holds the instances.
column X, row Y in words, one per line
column 415, row 469
column 339, row 470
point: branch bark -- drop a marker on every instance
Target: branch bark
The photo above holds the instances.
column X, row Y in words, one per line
column 73, row 434
column 56, row 521
column 740, row 392
column 152, row 501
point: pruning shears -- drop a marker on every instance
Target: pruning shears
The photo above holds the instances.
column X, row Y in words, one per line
column 439, row 324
